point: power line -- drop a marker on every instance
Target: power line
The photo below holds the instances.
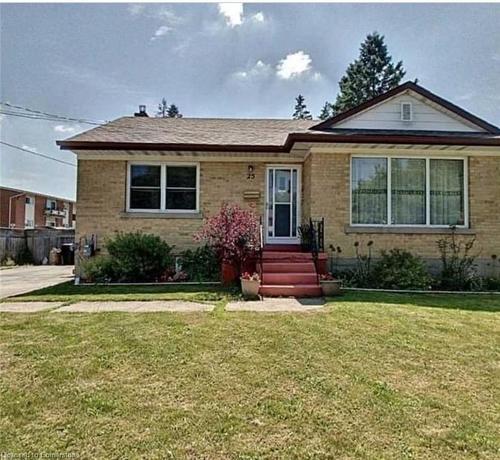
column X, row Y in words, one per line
column 51, row 115
column 37, row 154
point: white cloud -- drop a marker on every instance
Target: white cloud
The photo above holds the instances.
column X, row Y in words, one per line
column 65, row 129
column 232, row 12
column 293, row 65
column 260, row 69
column 135, row 9
column 160, row 32
column 496, row 57
column 258, row 17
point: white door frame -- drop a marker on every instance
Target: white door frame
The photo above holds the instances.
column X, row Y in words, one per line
column 281, row 239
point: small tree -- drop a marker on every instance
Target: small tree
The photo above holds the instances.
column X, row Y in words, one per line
column 233, row 233
column 173, row 112
column 301, row 112
column 162, row 109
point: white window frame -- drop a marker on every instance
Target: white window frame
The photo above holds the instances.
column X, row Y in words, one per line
column 427, row 159
column 163, row 187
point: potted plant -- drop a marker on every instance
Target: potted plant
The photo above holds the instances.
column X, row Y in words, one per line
column 329, row 285
column 250, row 284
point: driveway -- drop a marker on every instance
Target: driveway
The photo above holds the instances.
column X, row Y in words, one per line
column 18, row 280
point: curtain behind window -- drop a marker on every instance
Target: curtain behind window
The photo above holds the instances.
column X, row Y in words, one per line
column 447, row 192
column 408, row 191
column 369, row 191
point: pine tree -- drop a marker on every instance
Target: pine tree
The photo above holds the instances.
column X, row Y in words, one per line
column 372, row 74
column 326, row 111
column 301, row 112
column 173, row 112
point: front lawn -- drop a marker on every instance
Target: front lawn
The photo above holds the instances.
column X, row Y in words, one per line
column 70, row 293
column 394, row 378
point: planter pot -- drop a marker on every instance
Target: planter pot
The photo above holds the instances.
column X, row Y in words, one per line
column 229, row 273
column 331, row 287
column 250, row 288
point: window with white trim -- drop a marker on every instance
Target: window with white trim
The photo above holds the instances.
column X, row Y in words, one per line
column 408, row 191
column 163, row 187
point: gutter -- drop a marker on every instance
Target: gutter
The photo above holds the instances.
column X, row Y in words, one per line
column 10, row 207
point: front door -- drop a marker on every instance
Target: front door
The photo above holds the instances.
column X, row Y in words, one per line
column 282, row 204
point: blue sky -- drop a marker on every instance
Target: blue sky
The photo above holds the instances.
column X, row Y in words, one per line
column 100, row 61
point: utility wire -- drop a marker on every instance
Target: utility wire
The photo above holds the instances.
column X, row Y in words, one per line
column 37, row 154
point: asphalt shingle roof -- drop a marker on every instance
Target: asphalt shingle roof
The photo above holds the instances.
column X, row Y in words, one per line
column 210, row 131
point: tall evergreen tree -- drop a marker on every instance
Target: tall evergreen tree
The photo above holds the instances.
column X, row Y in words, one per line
column 372, row 74
column 326, row 111
column 173, row 112
column 301, row 112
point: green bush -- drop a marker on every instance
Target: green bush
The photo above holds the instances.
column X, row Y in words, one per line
column 399, row 269
column 99, row 269
column 201, row 264
column 24, row 256
column 139, row 257
column 491, row 284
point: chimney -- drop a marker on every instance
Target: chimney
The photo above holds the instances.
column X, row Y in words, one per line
column 142, row 112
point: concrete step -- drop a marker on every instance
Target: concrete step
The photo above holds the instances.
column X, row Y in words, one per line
column 290, row 278
column 288, row 267
column 302, row 290
column 277, row 256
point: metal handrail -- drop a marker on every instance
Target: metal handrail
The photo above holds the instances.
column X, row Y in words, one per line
column 261, row 249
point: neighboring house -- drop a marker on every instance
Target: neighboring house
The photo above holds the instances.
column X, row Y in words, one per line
column 398, row 170
column 23, row 210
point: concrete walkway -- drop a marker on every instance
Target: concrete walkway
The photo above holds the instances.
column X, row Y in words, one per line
column 19, row 280
column 135, row 307
column 27, row 307
column 279, row 304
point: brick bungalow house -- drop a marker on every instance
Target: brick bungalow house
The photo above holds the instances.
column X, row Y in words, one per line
column 398, row 170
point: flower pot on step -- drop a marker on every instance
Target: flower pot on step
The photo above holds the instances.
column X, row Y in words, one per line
column 331, row 288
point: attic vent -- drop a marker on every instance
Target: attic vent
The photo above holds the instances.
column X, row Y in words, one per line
column 406, row 111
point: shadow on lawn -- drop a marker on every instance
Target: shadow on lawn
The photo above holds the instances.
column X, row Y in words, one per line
column 471, row 302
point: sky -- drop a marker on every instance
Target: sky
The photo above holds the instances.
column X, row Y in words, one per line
column 100, row 61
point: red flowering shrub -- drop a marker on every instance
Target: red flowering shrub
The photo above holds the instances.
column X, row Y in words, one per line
column 233, row 233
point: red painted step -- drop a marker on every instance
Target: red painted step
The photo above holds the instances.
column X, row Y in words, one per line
column 288, row 267
column 290, row 278
column 283, row 247
column 302, row 290
column 276, row 256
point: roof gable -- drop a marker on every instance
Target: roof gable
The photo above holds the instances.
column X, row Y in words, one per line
column 429, row 113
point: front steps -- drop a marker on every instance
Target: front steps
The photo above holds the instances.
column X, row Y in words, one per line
column 288, row 272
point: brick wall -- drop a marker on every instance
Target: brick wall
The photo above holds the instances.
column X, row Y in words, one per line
column 101, row 199
column 330, row 198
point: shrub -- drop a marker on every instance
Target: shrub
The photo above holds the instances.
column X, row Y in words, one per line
column 139, row 256
column 459, row 271
column 361, row 276
column 233, row 234
column 24, row 256
column 201, row 264
column 399, row 269
column 491, row 284
column 99, row 269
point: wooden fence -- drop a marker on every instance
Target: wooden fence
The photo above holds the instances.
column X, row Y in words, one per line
column 39, row 242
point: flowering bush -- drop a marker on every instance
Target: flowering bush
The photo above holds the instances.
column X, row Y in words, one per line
column 250, row 276
column 233, row 233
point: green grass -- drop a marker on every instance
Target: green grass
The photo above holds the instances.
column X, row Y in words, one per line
column 370, row 377
column 70, row 293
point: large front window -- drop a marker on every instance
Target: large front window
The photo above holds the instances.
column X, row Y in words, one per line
column 408, row 191
column 163, row 187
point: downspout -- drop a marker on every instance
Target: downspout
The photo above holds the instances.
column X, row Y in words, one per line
column 10, row 206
